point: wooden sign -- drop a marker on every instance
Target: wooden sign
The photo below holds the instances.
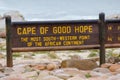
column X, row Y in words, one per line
column 62, row 35
column 53, row 35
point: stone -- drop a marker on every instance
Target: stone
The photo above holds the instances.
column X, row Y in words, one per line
column 51, row 78
column 71, row 71
column 63, row 76
column 39, row 67
column 2, row 75
column 18, row 70
column 66, row 73
column 2, row 55
column 14, row 77
column 1, row 68
column 28, row 55
column 96, row 74
column 84, row 64
column 43, row 74
column 118, row 71
column 15, row 15
column 101, row 70
column 52, row 66
column 77, row 78
column 114, row 77
column 8, row 70
column 106, row 65
column 114, row 67
column 2, row 34
column 97, row 78
column 53, row 55
column 30, row 74
column 75, row 57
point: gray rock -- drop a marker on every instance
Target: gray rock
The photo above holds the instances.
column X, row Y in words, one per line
column 68, row 72
column 63, row 75
column 8, row 70
column 114, row 77
column 51, row 78
column 77, row 78
column 101, row 70
column 2, row 75
column 98, row 72
column 15, row 16
column 43, row 74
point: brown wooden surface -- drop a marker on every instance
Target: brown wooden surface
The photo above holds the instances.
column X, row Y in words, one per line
column 27, row 49
column 113, row 34
column 8, row 42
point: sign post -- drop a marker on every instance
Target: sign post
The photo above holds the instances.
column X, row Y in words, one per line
column 8, row 42
column 102, row 37
column 62, row 35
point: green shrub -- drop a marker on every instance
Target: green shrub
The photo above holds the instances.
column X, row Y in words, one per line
column 16, row 55
column 88, row 75
column 93, row 54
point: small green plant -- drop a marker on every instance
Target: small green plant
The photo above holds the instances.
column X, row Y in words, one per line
column 88, row 75
column 33, row 54
column 93, row 54
column 94, row 50
column 41, row 52
column 16, row 55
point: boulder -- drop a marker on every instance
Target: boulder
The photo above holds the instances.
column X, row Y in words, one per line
column 15, row 15
column 114, row 67
column 84, row 64
column 106, row 65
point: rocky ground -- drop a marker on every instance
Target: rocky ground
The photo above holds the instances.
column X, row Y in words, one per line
column 58, row 65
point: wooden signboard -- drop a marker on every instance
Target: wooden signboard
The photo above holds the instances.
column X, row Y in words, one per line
column 62, row 35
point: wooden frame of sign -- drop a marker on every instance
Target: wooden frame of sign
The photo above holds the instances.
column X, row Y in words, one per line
column 62, row 35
